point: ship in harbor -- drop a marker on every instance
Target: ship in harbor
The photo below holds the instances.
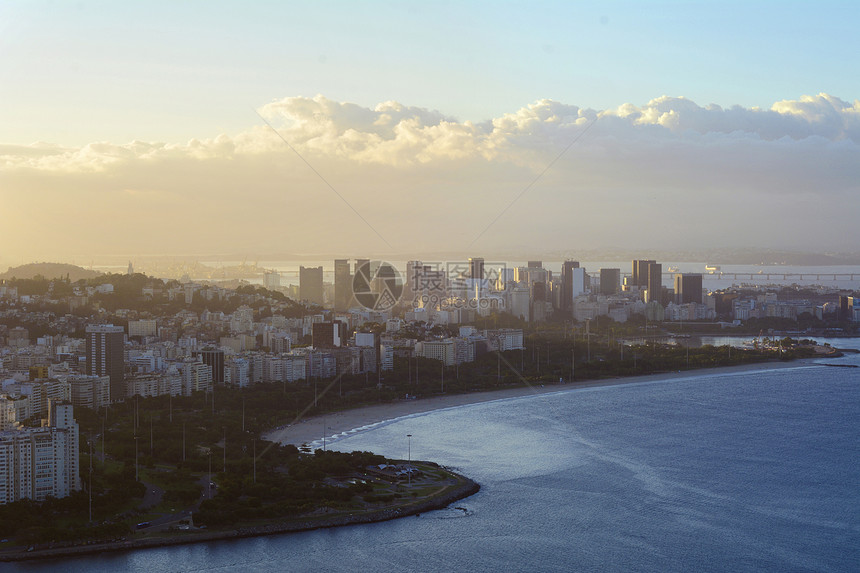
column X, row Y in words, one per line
column 713, row 269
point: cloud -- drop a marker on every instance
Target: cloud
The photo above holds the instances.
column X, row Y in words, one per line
column 646, row 173
column 394, row 134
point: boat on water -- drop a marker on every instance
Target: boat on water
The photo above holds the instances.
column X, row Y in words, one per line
column 673, row 270
column 712, row 268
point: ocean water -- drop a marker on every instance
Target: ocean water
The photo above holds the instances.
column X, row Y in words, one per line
column 713, row 472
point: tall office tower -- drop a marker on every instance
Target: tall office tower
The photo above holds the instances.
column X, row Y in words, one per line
column 654, row 281
column 413, row 279
column 842, row 312
column 538, row 301
column 434, row 285
column 567, row 284
column 688, row 288
column 105, row 356
column 535, row 264
column 640, row 272
column 610, row 281
column 342, row 285
column 362, row 264
column 386, row 285
column 311, row 284
column 214, row 358
column 476, row 268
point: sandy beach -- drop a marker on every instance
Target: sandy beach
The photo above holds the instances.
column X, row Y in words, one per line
column 310, row 430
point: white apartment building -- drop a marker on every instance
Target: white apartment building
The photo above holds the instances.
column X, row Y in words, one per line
column 142, row 327
column 39, row 462
column 505, row 339
column 90, row 391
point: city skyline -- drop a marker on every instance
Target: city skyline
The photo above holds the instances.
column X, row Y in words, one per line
column 397, row 128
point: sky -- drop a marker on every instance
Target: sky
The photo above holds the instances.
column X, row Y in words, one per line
column 381, row 128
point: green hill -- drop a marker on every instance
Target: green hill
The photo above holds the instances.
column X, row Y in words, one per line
column 49, row 271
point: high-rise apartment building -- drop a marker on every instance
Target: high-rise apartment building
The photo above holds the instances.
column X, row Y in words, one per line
column 105, row 356
column 37, row 463
column 311, row 285
column 89, row 391
column 272, row 280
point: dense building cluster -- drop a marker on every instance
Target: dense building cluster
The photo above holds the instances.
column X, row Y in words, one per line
column 369, row 315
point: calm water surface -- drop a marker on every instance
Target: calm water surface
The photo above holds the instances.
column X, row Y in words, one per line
column 742, row 472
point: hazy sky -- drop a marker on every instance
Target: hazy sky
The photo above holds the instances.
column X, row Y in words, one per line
column 132, row 127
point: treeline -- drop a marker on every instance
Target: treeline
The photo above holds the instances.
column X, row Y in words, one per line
column 299, row 485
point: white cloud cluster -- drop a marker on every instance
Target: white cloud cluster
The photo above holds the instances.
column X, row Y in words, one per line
column 822, row 115
column 759, row 174
column 394, row 134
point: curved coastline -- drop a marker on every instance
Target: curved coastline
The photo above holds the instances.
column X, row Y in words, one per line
column 349, row 422
column 339, row 425
column 465, row 488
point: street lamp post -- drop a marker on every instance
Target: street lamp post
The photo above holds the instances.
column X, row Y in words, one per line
column 409, row 457
column 91, row 479
column 588, row 338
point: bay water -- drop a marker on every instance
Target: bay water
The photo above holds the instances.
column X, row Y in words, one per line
column 744, row 471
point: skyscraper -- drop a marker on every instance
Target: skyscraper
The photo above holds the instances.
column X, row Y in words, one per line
column 311, row 285
column 654, row 281
column 105, row 356
column 362, row 264
column 567, row 284
column 342, row 285
column 688, row 288
column 640, row 272
column 476, row 268
column 610, row 281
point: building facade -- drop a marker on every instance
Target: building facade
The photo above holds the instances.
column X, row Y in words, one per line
column 37, row 463
column 105, row 356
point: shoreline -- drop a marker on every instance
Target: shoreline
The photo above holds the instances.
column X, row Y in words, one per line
column 348, row 422
column 337, row 425
column 465, row 488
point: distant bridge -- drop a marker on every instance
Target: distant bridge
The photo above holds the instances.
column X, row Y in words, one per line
column 783, row 276
column 772, row 276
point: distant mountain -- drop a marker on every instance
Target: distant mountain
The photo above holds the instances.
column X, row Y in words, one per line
column 49, row 271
